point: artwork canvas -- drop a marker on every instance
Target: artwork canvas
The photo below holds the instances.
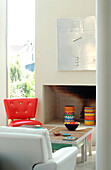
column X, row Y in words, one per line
column 76, row 43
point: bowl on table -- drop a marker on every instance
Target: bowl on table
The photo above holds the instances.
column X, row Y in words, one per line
column 57, row 133
column 71, row 125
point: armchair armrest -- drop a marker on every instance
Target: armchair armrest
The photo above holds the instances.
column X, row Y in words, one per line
column 63, row 159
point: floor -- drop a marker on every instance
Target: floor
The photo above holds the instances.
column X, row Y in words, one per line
column 90, row 164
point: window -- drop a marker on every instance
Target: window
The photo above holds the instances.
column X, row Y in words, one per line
column 21, row 48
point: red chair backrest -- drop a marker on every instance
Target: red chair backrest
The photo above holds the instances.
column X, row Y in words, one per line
column 20, row 108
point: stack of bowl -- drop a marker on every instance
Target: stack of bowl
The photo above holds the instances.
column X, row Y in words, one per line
column 69, row 113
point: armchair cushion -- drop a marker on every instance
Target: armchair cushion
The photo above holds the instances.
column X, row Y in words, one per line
column 16, row 123
column 63, row 159
column 24, row 130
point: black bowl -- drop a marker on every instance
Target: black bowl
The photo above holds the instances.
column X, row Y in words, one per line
column 72, row 125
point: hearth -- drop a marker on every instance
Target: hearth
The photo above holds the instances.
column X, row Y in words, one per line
column 57, row 96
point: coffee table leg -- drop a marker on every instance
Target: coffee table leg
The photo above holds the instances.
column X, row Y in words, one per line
column 90, row 147
column 83, row 153
column 85, row 149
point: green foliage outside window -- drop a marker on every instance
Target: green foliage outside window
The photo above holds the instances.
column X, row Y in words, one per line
column 22, row 81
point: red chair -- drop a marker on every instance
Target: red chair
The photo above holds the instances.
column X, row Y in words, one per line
column 22, row 109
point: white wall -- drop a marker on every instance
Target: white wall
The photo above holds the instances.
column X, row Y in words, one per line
column 47, row 13
column 2, row 60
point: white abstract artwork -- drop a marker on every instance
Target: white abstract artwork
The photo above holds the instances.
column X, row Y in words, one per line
column 76, row 43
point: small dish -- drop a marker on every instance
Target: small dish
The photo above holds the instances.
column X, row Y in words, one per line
column 66, row 134
column 57, row 133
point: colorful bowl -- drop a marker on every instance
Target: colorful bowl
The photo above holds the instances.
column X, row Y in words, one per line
column 56, row 133
column 71, row 125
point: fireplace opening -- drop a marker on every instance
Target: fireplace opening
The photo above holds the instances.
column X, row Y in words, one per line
column 56, row 97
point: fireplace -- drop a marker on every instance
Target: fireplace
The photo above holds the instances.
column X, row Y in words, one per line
column 56, row 97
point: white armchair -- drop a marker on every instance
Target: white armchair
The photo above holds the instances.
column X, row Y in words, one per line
column 30, row 149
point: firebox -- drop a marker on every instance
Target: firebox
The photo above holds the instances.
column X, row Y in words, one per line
column 56, row 97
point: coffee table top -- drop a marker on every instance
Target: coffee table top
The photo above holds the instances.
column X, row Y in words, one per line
column 80, row 133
